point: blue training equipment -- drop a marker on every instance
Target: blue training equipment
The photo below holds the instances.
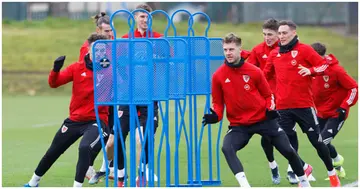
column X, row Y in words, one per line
column 173, row 69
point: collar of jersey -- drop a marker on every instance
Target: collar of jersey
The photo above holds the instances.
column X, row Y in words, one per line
column 288, row 47
column 237, row 65
column 88, row 62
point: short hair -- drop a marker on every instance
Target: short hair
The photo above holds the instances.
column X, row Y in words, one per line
column 232, row 38
column 94, row 37
column 271, row 24
column 145, row 7
column 101, row 18
column 319, row 48
column 289, row 23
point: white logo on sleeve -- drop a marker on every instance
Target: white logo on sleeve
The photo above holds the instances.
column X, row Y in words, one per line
column 83, row 74
column 227, row 80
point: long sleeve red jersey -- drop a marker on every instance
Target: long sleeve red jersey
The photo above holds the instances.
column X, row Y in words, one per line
column 244, row 54
column 292, row 89
column 83, row 51
column 245, row 93
column 334, row 89
column 138, row 34
column 82, row 98
column 258, row 56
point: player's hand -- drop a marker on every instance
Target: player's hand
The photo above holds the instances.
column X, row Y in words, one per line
column 58, row 63
column 272, row 114
column 342, row 113
column 210, row 118
column 304, row 71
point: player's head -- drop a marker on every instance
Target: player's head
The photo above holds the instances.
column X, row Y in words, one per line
column 319, row 48
column 287, row 31
column 141, row 18
column 100, row 51
column 232, row 47
column 102, row 22
column 270, row 31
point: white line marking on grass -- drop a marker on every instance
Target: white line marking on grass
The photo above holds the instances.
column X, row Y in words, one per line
column 45, row 124
column 353, row 184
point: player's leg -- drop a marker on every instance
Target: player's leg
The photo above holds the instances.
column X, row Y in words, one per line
column 271, row 130
column 124, row 116
column 331, row 129
column 63, row 139
column 109, row 148
column 89, row 144
column 140, row 140
column 156, row 124
column 269, row 153
column 288, row 124
column 322, row 123
column 307, row 119
column 235, row 139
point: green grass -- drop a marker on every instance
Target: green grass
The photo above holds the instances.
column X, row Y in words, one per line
column 29, row 124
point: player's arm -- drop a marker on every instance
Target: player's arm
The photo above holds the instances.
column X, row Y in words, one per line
column 318, row 63
column 244, row 54
column 269, row 70
column 253, row 59
column 350, row 84
column 217, row 103
column 57, row 77
column 264, row 89
column 83, row 51
column 217, row 97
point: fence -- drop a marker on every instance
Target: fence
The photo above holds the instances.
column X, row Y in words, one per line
column 303, row 13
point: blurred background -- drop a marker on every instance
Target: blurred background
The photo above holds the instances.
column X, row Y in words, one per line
column 68, row 24
column 340, row 14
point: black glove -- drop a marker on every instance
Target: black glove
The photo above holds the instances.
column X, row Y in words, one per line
column 58, row 63
column 210, row 118
column 272, row 114
column 342, row 113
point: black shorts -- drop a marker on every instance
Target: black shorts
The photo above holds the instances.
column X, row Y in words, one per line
column 124, row 117
column 267, row 129
column 70, row 131
column 330, row 128
column 305, row 117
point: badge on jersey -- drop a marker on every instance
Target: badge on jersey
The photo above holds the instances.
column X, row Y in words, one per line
column 247, row 87
column 326, row 85
column 293, row 62
column 246, row 78
column 326, row 78
column 104, row 62
column 64, row 129
column 294, row 53
column 120, row 113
